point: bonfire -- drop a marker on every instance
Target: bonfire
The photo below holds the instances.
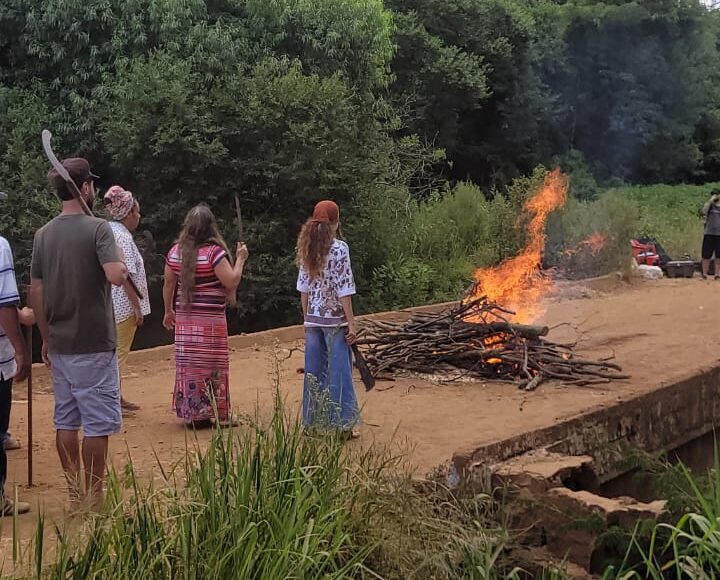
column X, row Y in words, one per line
column 490, row 334
column 474, row 340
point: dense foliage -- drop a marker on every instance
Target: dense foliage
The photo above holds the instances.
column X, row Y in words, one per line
column 504, row 85
column 384, row 107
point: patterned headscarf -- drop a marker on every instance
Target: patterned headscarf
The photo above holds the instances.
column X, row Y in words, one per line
column 119, row 202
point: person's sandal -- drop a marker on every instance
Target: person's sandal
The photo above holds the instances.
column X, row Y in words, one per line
column 128, row 406
column 10, row 508
column 350, row 434
column 11, row 443
column 231, row 421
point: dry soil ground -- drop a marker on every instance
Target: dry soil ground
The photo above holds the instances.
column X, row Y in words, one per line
column 657, row 330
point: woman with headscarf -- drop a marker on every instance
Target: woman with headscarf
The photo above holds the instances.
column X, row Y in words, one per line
column 200, row 279
column 326, row 287
column 130, row 311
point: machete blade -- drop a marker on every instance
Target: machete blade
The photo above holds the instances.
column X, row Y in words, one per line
column 54, row 161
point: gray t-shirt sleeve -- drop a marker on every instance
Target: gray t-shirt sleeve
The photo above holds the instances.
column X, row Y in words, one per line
column 105, row 245
column 36, row 262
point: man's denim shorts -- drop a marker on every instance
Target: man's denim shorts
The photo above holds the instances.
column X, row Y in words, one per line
column 87, row 393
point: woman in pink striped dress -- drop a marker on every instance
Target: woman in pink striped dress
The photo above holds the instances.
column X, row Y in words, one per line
column 200, row 279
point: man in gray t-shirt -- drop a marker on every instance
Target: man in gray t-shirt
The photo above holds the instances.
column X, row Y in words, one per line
column 74, row 260
column 711, row 239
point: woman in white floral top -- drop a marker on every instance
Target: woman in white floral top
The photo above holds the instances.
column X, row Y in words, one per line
column 326, row 287
column 130, row 311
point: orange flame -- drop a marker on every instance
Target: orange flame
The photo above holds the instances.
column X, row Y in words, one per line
column 517, row 283
column 494, row 361
column 494, row 339
column 593, row 244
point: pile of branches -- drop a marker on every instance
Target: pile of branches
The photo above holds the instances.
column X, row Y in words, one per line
column 475, row 340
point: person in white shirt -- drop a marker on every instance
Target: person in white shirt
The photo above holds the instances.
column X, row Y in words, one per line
column 26, row 317
column 326, row 287
column 14, row 362
column 130, row 310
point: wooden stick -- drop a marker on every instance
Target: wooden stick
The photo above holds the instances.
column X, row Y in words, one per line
column 238, row 212
column 29, row 343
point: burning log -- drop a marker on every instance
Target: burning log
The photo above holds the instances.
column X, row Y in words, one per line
column 473, row 339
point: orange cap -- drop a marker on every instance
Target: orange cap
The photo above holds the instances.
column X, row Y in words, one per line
column 326, row 211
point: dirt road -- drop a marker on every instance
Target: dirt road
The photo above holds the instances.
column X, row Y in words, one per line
column 657, row 330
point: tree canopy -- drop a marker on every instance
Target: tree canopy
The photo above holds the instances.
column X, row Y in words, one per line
column 288, row 101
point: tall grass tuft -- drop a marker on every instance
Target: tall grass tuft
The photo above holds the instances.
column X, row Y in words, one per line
column 267, row 503
column 690, row 548
column 270, row 502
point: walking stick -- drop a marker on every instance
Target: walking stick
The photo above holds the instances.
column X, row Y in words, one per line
column 29, row 342
column 72, row 186
column 241, row 236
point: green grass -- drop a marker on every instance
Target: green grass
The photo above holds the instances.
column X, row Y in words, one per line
column 269, row 502
column 689, row 547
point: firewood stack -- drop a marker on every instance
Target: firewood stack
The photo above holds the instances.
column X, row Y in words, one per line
column 474, row 340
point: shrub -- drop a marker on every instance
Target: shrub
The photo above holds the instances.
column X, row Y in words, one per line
column 433, row 247
column 582, row 183
column 401, row 282
column 612, row 215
